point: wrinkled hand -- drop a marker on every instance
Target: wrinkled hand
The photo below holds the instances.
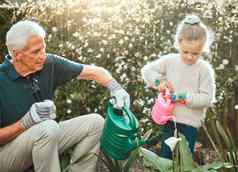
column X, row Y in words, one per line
column 39, row 112
column 122, row 98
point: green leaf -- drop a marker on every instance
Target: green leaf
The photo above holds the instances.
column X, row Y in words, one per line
column 224, row 135
column 214, row 165
column 155, row 162
column 134, row 155
column 228, row 165
column 186, row 158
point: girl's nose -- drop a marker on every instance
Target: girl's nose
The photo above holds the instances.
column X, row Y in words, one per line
column 189, row 57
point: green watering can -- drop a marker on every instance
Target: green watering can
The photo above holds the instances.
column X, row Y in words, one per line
column 119, row 135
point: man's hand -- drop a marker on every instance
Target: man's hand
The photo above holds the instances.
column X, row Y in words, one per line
column 120, row 94
column 39, row 112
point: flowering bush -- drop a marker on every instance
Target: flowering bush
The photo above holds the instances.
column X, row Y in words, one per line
column 122, row 36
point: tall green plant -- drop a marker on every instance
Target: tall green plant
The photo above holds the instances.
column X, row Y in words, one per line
column 227, row 150
column 183, row 161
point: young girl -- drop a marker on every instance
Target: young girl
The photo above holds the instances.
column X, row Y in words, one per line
column 187, row 73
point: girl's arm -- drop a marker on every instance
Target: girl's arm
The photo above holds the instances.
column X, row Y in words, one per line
column 207, row 89
column 153, row 71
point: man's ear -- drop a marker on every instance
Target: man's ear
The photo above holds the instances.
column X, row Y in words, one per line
column 16, row 54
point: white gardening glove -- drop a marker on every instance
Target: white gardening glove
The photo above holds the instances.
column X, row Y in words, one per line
column 122, row 98
column 39, row 112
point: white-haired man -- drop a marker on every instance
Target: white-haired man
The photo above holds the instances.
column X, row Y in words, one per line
column 28, row 79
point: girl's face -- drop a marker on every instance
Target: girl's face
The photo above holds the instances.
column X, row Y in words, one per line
column 190, row 51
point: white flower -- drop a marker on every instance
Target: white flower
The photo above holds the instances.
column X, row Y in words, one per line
column 72, row 47
column 113, row 36
column 54, row 29
column 220, row 67
column 104, row 42
column 75, row 34
column 78, row 50
column 133, row 68
column 69, row 111
column 153, row 55
column 69, row 101
column 145, row 58
column 137, row 54
column 85, row 19
column 225, row 62
column 121, row 42
column 126, row 52
column 236, row 67
column 236, row 107
column 130, row 45
column 90, row 50
column 172, row 142
column 72, row 96
column 85, row 45
column 126, row 38
column 99, row 55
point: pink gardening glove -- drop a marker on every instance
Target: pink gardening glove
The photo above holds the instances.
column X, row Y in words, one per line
column 162, row 110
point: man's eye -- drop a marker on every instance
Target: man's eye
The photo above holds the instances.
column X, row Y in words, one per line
column 36, row 51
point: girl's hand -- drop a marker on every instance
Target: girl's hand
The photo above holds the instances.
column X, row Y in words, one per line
column 181, row 97
column 164, row 85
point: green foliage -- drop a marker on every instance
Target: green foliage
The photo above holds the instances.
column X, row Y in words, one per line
column 183, row 161
column 122, row 36
column 227, row 150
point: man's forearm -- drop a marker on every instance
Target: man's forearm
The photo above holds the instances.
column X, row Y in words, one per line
column 10, row 132
column 98, row 74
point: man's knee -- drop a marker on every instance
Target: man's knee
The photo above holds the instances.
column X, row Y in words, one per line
column 97, row 120
column 50, row 129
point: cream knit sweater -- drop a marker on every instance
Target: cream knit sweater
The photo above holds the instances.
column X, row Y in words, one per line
column 197, row 80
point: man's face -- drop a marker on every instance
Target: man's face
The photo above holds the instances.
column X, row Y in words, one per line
column 190, row 51
column 32, row 57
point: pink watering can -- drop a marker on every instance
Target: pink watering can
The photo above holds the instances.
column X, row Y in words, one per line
column 162, row 111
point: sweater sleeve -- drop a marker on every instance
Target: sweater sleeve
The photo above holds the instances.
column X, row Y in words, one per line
column 154, row 71
column 207, row 88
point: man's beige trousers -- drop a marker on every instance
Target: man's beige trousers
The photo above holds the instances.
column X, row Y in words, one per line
column 42, row 144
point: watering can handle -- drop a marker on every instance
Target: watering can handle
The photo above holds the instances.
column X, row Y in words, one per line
column 129, row 114
column 125, row 109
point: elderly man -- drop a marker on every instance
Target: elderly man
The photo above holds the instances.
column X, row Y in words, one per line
column 28, row 79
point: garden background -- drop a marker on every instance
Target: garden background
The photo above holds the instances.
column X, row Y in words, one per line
column 124, row 35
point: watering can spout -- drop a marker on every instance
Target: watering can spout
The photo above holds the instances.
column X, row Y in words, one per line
column 137, row 143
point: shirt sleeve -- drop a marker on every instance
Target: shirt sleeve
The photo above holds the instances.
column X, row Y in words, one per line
column 207, row 89
column 64, row 70
column 155, row 70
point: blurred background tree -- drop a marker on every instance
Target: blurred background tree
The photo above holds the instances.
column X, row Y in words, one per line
column 122, row 36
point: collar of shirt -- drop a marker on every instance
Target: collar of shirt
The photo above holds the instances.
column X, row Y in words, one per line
column 9, row 68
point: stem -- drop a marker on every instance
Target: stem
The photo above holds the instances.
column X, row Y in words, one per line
column 212, row 142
